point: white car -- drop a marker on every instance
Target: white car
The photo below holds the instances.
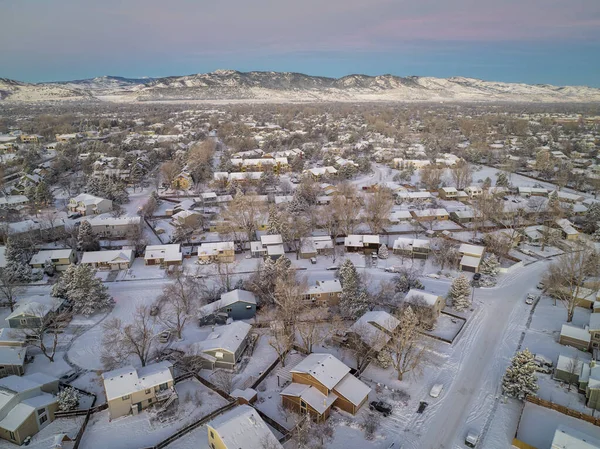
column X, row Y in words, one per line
column 471, row 439
column 436, row 390
column 530, row 298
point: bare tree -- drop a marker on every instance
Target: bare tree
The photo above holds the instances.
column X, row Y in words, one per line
column 309, row 327
column 565, row 277
column 377, row 209
column 431, row 177
column 371, row 422
column 122, row 341
column 43, row 332
column 406, row 346
column 10, row 288
column 574, row 369
column 462, row 175
column 169, row 171
column 446, row 252
column 223, row 380
column 179, row 302
column 243, row 214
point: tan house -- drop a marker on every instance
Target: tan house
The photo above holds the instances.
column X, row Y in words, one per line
column 169, row 254
column 85, row 204
column 60, row 258
column 430, row 214
column 474, row 191
column 183, row 181
column 27, row 405
column 414, row 248
column 321, row 381
column 223, row 252
column 574, row 336
column 240, row 428
column 130, row 391
column 420, row 298
column 324, row 292
column 115, row 227
column 448, row 193
column 187, row 218
column 12, row 360
column 118, row 259
column 471, row 256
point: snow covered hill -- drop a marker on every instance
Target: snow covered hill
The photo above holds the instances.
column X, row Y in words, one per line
column 231, row 85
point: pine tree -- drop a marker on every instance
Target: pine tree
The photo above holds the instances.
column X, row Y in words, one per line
column 86, row 241
column 135, row 175
column 93, row 186
column 297, row 205
column 86, row 293
column 354, row 299
column 490, row 265
column 383, row 252
column 520, row 380
column 460, row 293
column 68, row 399
column 553, row 203
column 274, row 223
column 17, row 270
column 43, row 195
column 502, row 180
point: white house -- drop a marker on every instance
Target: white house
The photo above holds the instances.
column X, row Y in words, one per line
column 89, row 204
column 118, row 259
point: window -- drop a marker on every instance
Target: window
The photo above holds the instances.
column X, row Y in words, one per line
column 212, row 446
column 12, row 436
column 248, row 307
column 150, row 401
column 125, row 397
column 43, row 419
column 228, row 309
column 41, row 411
column 148, row 391
column 219, row 355
column 212, row 435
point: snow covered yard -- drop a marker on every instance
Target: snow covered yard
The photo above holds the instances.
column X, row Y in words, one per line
column 44, row 439
column 258, row 362
column 538, row 424
column 147, row 429
column 447, row 327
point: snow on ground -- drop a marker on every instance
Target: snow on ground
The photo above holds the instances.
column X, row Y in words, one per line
column 538, row 424
column 261, row 358
column 41, row 364
column 447, row 327
column 145, row 429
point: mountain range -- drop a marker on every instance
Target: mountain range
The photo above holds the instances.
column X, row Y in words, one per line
column 281, row 87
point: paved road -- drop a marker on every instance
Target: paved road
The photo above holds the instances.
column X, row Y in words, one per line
column 484, row 356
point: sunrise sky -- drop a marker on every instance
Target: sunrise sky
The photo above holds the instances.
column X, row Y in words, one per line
column 533, row 41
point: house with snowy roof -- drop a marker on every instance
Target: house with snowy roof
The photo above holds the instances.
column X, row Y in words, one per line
column 30, row 312
column 223, row 347
column 324, row 292
column 27, row 405
column 426, row 301
column 448, row 193
column 315, row 245
column 60, row 258
column 114, row 227
column 240, row 428
column 471, row 256
column 168, row 254
column 374, row 329
column 415, row 248
column 129, row 390
column 237, row 304
column 85, row 204
column 321, row 381
column 118, row 259
column 223, row 252
column 568, row 438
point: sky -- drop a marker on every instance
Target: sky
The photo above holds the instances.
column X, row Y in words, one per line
column 532, row 41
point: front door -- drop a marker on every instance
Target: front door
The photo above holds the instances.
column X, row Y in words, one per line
column 139, row 406
column 302, row 407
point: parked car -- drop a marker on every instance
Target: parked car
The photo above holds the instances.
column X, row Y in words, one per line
column 164, row 336
column 476, row 276
column 540, row 286
column 543, row 369
column 542, row 360
column 471, row 439
column 313, row 260
column 422, row 406
column 391, row 269
column 69, row 377
column 436, row 390
column 333, row 267
column 531, row 298
column 381, row 407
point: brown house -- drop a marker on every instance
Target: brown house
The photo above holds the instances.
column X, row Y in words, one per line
column 321, row 381
column 324, row 292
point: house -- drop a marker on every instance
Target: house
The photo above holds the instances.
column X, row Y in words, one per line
column 321, row 381
column 415, row 248
column 13, row 202
column 430, row 214
column 167, row 255
column 27, row 405
column 574, row 336
column 448, row 193
column 245, row 396
column 12, row 360
column 187, row 218
column 114, row 227
column 471, row 256
column 463, row 216
column 130, row 391
column 240, row 428
column 118, row 259
column 532, row 191
column 412, row 196
column 474, row 191
column 269, row 246
column 237, row 305
column 30, row 312
column 60, row 258
column 398, row 216
column 320, row 172
column 567, row 438
column 567, row 229
column 183, row 181
column 223, row 252
column 85, row 204
column 374, row 329
column 316, row 245
column 568, row 370
column 8, row 337
column 420, row 298
column 224, row 347
column 367, row 243
column 324, row 292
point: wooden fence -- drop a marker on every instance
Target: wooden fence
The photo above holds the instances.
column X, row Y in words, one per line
column 564, row 410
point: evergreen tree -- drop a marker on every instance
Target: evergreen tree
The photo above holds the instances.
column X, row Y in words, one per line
column 383, row 252
column 553, row 203
column 86, row 293
column 487, row 183
column 43, row 195
column 135, row 175
column 297, row 205
column 520, row 380
column 93, row 186
column 274, row 223
column 17, row 269
column 86, row 241
column 68, row 399
column 460, row 293
column 490, row 265
column 354, row 299
column 502, row 180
